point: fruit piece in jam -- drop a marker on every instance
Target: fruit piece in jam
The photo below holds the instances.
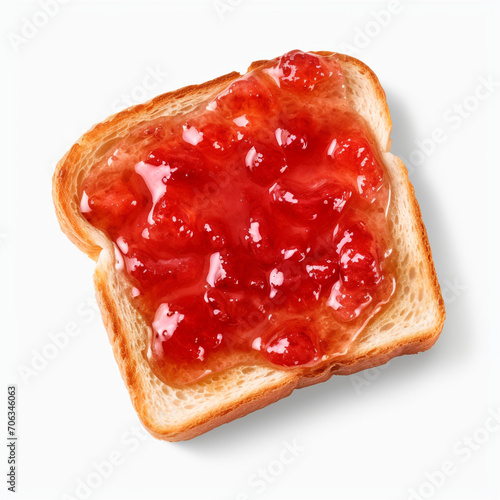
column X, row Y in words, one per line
column 253, row 228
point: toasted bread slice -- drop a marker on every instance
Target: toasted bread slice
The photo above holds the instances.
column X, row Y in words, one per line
column 409, row 324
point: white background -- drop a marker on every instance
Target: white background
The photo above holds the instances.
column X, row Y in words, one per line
column 376, row 435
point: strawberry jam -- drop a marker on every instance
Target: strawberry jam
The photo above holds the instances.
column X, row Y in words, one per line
column 251, row 229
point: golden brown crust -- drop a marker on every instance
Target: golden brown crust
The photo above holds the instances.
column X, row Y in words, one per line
column 72, row 223
column 89, row 240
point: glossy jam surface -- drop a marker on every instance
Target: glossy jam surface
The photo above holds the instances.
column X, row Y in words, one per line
column 252, row 229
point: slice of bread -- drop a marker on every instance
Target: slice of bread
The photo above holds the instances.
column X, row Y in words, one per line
column 409, row 324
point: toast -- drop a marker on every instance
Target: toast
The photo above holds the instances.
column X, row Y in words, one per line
column 410, row 323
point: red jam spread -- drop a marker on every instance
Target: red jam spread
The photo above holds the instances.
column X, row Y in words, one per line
column 253, row 228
